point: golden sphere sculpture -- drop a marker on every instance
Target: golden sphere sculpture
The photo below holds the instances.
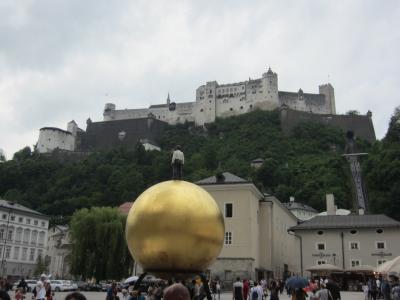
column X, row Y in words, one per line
column 175, row 229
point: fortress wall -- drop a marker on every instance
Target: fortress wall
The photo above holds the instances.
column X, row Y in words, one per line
column 361, row 126
column 122, row 114
column 105, row 135
column 315, row 103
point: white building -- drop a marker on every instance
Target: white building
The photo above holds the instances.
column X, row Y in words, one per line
column 59, row 251
column 215, row 100
column 23, row 237
column 257, row 243
column 300, row 210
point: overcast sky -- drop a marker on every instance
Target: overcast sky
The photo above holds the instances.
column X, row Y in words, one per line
column 62, row 60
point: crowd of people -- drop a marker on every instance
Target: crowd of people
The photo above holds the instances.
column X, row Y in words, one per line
column 386, row 288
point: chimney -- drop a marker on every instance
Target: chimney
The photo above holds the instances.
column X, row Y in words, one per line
column 291, row 199
column 330, row 205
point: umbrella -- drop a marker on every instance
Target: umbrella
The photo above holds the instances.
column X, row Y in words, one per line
column 390, row 266
column 131, row 279
column 296, row 282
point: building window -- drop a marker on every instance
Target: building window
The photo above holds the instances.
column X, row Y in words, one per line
column 8, row 251
column 34, row 237
column 228, row 275
column 380, row 245
column 379, row 231
column 12, row 218
column 241, row 107
column 321, row 262
column 354, row 246
column 231, row 109
column 228, row 210
column 16, row 253
column 228, row 238
column 28, row 221
column 35, row 222
column 321, row 246
column 380, row 262
column 18, row 235
column 32, row 254
column 43, row 224
column 4, row 217
column 2, row 230
column 40, row 253
column 320, row 232
column 24, row 253
column 353, row 231
column 41, row 238
column 10, row 234
column 20, row 219
column 27, row 234
column 355, row 263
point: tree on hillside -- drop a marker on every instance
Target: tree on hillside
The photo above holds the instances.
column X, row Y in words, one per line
column 393, row 133
column 99, row 248
column 2, row 156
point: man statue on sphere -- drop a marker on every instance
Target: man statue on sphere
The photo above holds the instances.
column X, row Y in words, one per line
column 178, row 160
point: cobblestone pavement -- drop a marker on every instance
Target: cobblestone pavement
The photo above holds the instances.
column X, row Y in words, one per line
column 224, row 296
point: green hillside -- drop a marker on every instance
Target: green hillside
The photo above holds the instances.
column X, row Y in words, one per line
column 307, row 165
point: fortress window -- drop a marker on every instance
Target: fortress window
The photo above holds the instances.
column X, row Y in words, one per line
column 241, row 107
column 231, row 109
column 201, row 110
column 251, row 105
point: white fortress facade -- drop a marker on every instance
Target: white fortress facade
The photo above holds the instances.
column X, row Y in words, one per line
column 214, row 100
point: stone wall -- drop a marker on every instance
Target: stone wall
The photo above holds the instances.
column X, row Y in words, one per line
column 361, row 126
column 126, row 133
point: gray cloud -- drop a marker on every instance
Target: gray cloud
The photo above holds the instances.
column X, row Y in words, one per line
column 58, row 60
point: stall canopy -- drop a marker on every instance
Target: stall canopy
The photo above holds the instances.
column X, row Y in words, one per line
column 389, row 266
column 324, row 268
column 362, row 269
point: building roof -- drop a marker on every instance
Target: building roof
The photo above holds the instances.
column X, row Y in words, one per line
column 349, row 221
column 158, row 105
column 17, row 207
column 56, row 129
column 124, row 208
column 298, row 205
column 224, row 178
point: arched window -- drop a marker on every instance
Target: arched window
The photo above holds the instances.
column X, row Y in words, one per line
column 18, row 235
column 27, row 233
column 34, row 237
column 41, row 238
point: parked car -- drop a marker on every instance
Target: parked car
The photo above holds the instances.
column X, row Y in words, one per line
column 62, row 285
column 31, row 284
column 93, row 287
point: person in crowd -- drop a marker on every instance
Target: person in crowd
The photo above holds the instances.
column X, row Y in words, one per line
column 373, row 289
column 4, row 295
column 19, row 294
column 395, row 287
column 191, row 288
column 176, row 291
column 39, row 292
column 125, row 294
column 314, row 295
column 274, row 291
column 281, row 286
column 178, row 160
column 158, row 292
column 299, row 294
column 334, row 289
column 323, row 293
column 378, row 287
column 257, row 292
column 218, row 289
column 238, row 289
column 385, row 288
column 22, row 284
column 365, row 291
column 75, row 296
column 246, row 289
column 47, row 287
column 112, row 292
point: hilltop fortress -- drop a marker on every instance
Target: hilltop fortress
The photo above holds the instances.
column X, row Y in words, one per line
column 214, row 100
column 126, row 127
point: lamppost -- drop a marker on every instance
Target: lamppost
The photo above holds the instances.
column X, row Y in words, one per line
column 6, row 237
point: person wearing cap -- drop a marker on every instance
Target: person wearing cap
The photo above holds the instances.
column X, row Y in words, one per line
column 394, row 282
column 178, row 160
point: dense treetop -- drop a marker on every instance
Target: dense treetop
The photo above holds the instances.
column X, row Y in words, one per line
column 306, row 164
